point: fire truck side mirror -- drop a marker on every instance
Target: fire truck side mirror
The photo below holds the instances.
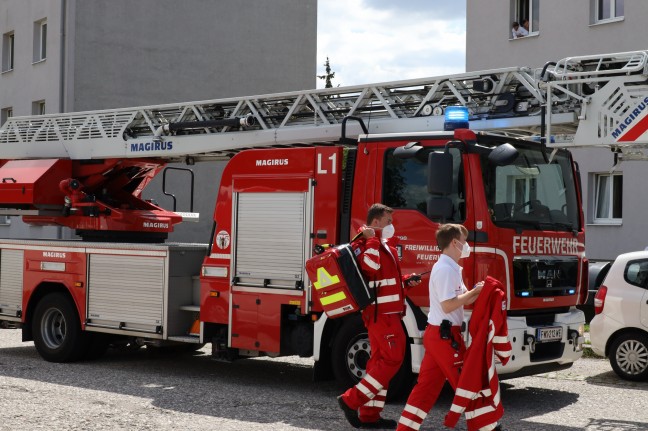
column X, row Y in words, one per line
column 503, row 155
column 439, row 173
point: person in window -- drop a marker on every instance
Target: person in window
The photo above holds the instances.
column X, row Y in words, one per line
column 519, row 31
column 525, row 25
column 378, row 259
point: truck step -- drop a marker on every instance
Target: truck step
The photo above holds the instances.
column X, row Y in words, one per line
column 185, row 339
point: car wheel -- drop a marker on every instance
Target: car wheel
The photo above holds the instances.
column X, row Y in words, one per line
column 629, row 356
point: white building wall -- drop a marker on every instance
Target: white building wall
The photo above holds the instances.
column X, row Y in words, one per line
column 567, row 28
column 118, row 53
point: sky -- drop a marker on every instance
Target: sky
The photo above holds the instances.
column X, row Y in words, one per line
column 370, row 41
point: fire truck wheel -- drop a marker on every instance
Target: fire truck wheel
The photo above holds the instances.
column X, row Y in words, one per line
column 56, row 329
column 350, row 353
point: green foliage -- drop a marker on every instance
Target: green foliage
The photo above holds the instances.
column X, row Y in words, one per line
column 329, row 75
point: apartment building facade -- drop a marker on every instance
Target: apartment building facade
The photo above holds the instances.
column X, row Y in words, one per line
column 615, row 200
column 75, row 55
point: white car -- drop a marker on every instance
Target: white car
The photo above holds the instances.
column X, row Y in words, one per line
column 619, row 330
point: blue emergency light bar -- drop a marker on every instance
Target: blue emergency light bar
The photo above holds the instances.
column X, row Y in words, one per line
column 456, row 117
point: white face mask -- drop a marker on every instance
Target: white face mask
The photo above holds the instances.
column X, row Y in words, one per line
column 388, row 231
column 465, row 250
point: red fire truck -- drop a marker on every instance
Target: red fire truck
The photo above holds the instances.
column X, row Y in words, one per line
column 290, row 184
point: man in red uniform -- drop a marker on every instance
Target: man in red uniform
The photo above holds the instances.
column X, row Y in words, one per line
column 363, row 403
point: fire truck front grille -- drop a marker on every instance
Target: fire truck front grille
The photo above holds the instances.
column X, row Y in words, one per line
column 545, row 276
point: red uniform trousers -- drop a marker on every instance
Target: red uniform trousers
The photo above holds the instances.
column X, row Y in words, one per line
column 388, row 343
column 441, row 362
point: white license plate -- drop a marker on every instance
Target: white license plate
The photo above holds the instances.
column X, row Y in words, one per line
column 551, row 333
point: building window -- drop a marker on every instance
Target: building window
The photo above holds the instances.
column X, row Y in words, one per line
column 608, row 10
column 38, row 107
column 5, row 114
column 5, row 220
column 7, row 52
column 608, row 199
column 40, row 40
column 527, row 13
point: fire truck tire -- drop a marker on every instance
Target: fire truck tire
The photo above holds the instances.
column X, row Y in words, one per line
column 350, row 353
column 56, row 329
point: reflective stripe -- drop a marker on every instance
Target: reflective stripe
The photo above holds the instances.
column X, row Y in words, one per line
column 388, row 298
column 503, row 353
column 330, row 299
column 370, row 263
column 466, row 394
column 382, row 393
column 385, row 282
column 365, row 390
column 375, row 403
column 482, row 411
column 500, row 339
column 337, row 311
column 409, row 423
column 415, row 411
column 456, row 409
column 372, row 251
column 373, row 382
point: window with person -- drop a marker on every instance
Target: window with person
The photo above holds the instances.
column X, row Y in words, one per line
column 527, row 14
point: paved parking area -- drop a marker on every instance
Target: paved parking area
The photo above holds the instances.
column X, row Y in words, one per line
column 147, row 391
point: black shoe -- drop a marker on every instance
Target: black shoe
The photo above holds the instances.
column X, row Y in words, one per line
column 380, row 424
column 350, row 414
column 499, row 428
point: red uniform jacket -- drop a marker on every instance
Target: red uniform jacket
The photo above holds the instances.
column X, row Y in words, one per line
column 478, row 392
column 379, row 263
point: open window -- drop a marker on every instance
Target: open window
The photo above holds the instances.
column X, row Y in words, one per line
column 607, row 10
column 40, row 40
column 608, row 198
column 527, row 13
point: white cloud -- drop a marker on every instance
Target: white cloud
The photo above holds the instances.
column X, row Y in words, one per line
column 384, row 40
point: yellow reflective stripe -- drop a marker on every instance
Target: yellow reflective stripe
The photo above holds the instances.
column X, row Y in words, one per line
column 340, row 296
column 324, row 279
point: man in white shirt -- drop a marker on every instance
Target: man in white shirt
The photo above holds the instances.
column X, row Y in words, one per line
column 444, row 346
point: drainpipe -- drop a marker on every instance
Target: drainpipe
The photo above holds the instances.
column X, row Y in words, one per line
column 62, row 33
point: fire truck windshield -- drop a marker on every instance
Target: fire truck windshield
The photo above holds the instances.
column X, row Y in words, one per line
column 532, row 194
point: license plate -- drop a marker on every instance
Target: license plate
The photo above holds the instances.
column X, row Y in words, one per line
column 551, row 333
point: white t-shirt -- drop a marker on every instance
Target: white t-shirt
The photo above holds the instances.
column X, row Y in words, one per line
column 445, row 283
column 520, row 32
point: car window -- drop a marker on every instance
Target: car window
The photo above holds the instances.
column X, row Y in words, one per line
column 636, row 272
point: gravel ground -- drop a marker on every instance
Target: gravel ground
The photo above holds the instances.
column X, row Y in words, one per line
column 143, row 390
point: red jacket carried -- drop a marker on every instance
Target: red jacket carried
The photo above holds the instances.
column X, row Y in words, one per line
column 478, row 392
column 379, row 263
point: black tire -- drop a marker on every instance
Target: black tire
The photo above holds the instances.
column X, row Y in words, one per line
column 56, row 329
column 629, row 356
column 351, row 352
